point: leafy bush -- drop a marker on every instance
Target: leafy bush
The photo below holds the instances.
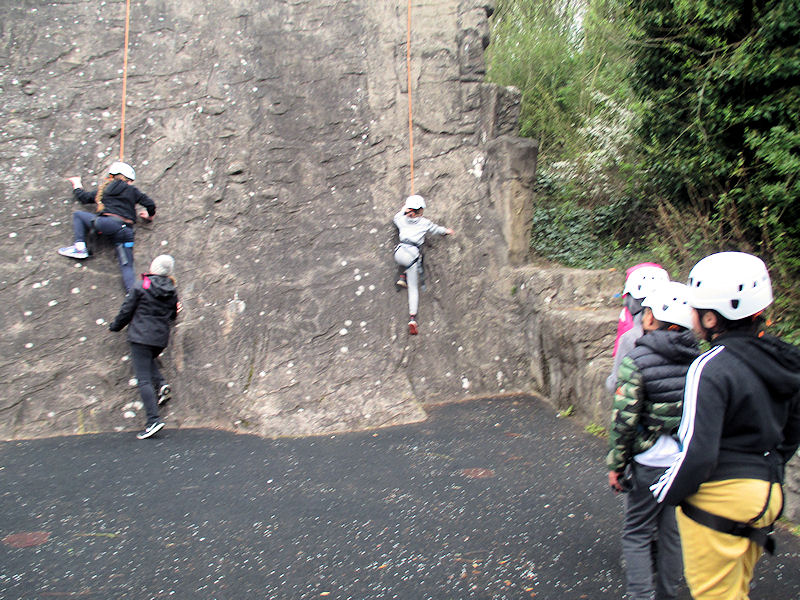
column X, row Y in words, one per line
column 668, row 130
column 720, row 84
column 540, row 48
column 570, row 61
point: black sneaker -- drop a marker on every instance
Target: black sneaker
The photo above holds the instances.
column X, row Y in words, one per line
column 150, row 430
column 164, row 394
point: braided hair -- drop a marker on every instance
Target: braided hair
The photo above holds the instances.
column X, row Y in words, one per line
column 100, row 190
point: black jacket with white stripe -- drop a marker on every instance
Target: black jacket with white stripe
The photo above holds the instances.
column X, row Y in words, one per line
column 741, row 415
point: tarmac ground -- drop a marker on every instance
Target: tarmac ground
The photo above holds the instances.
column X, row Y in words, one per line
column 489, row 499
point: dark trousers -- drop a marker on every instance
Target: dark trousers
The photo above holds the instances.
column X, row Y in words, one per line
column 148, row 376
column 118, row 233
column 651, row 544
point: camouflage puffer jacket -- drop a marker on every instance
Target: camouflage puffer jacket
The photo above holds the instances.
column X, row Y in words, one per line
column 649, row 397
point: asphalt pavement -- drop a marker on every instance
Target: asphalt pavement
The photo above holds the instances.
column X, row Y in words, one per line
column 492, row 499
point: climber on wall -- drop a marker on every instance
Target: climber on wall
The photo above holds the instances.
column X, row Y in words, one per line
column 412, row 228
column 149, row 310
column 116, row 199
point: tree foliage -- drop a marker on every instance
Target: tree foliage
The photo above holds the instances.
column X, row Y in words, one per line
column 669, row 128
column 537, row 47
column 571, row 61
column 720, row 82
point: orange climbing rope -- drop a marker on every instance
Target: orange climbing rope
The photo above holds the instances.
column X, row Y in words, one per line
column 410, row 120
column 124, row 79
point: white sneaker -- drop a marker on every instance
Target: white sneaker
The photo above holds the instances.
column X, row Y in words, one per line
column 164, row 394
column 73, row 252
column 151, row 429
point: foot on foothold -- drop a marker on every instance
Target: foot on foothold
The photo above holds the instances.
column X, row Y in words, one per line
column 73, row 252
column 412, row 327
column 401, row 282
column 164, row 394
column 150, row 430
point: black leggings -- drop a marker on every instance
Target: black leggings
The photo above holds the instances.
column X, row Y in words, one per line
column 148, row 376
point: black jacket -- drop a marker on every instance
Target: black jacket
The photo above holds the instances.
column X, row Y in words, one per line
column 663, row 357
column 119, row 198
column 741, row 415
column 148, row 310
column 649, row 396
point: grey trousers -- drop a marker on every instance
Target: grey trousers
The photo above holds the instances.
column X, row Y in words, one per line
column 404, row 255
column 651, row 544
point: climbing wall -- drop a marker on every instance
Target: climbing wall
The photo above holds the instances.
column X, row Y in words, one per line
column 273, row 136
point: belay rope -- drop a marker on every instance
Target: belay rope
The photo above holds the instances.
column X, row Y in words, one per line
column 124, row 79
column 410, row 120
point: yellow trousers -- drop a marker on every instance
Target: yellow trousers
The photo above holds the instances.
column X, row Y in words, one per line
column 719, row 566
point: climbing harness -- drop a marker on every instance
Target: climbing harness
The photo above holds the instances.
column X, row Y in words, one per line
column 760, row 535
column 419, row 261
column 124, row 249
column 419, row 252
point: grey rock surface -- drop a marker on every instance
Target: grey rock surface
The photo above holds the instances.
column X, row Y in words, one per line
column 273, row 135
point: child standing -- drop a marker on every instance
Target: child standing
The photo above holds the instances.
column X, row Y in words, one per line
column 646, row 414
column 115, row 215
column 412, row 228
column 640, row 280
column 740, row 426
column 149, row 310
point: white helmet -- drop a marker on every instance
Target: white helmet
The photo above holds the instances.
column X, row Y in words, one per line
column 734, row 284
column 121, row 168
column 414, row 202
column 670, row 303
column 643, row 280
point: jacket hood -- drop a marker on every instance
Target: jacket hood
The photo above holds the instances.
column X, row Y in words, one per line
column 160, row 286
column 679, row 347
column 776, row 362
column 115, row 186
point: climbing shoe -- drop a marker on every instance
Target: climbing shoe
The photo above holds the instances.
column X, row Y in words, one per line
column 401, row 282
column 164, row 394
column 150, row 430
column 412, row 327
column 73, row 252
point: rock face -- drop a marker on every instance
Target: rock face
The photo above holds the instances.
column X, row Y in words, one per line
column 273, row 136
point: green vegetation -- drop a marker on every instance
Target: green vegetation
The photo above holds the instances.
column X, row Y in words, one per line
column 668, row 130
column 596, row 430
column 567, row 412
